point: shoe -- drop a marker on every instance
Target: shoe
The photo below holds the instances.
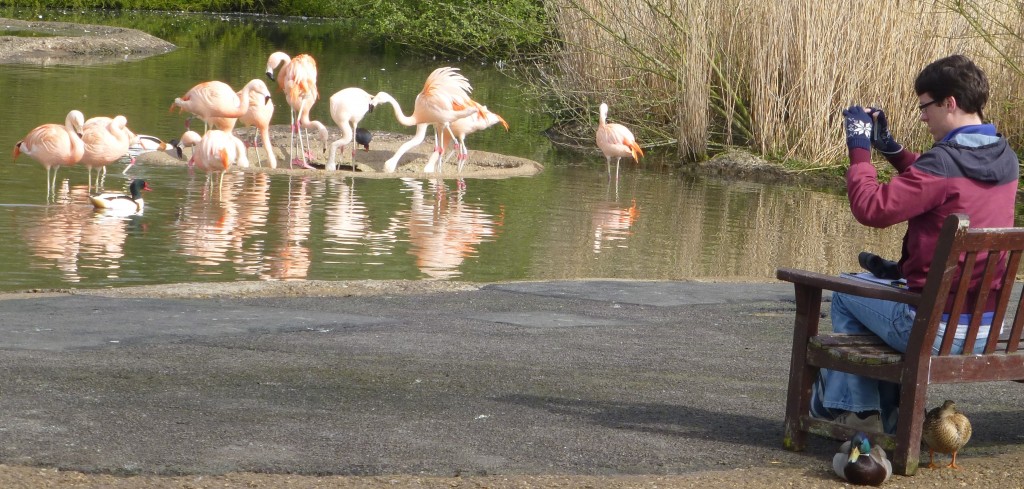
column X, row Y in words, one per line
column 872, row 423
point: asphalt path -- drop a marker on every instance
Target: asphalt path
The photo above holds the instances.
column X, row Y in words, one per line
column 563, row 377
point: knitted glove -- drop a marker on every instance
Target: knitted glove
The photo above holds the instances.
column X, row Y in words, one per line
column 858, row 128
column 881, row 138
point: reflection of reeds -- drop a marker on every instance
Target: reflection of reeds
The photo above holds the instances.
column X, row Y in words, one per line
column 772, row 76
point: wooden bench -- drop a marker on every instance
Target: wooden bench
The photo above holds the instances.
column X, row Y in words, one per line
column 915, row 369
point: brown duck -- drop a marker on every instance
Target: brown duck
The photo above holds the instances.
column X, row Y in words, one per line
column 945, row 430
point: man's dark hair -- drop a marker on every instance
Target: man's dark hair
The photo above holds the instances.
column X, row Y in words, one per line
column 955, row 76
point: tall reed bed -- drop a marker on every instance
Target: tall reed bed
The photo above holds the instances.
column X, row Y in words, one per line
column 770, row 76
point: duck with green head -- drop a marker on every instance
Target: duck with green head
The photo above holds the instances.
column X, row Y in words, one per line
column 858, row 462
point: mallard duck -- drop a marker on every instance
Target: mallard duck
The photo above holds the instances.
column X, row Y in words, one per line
column 860, row 463
column 945, row 430
column 121, row 202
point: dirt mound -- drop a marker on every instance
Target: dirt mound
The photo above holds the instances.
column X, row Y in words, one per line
column 47, row 43
column 370, row 164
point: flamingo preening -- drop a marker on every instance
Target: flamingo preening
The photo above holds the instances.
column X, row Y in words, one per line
column 258, row 115
column 54, row 145
column 297, row 79
column 444, row 99
column 106, row 141
column 616, row 141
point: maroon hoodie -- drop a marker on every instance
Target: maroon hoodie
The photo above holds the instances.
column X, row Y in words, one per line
column 972, row 174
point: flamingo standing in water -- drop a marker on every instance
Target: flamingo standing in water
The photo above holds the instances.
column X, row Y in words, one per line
column 348, row 107
column 297, row 79
column 216, row 103
column 217, row 150
column 444, row 99
column 106, row 141
column 616, row 141
column 259, row 114
column 466, row 126
column 53, row 145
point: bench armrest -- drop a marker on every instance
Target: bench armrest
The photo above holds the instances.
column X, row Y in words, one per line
column 848, row 286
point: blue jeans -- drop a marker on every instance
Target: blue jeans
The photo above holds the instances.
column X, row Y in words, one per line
column 890, row 321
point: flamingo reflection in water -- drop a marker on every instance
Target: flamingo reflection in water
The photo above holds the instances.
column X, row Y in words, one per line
column 75, row 238
column 443, row 229
column 290, row 258
column 346, row 222
column 612, row 223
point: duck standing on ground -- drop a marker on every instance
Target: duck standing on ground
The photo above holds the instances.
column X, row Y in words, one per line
column 945, row 430
column 131, row 202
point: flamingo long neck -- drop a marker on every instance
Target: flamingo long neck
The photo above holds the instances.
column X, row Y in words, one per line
column 77, row 144
column 403, row 119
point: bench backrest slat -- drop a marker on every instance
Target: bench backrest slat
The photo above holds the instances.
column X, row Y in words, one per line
column 961, row 254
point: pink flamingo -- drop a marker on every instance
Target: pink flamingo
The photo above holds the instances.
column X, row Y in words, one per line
column 53, row 145
column 258, row 115
column 217, row 150
column 106, row 141
column 466, row 126
column 615, row 140
column 188, row 140
column 348, row 107
column 297, row 79
column 216, row 103
column 444, row 99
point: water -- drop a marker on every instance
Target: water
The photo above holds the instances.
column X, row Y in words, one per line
column 570, row 221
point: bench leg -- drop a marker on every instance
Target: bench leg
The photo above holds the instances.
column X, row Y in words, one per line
column 801, row 375
column 913, row 398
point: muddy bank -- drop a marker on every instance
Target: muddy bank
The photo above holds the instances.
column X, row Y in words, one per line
column 62, row 43
column 369, row 164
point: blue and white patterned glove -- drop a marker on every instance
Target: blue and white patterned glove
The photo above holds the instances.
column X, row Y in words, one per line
column 858, row 128
column 881, row 138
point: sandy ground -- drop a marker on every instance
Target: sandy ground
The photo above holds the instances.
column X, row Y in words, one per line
column 368, row 164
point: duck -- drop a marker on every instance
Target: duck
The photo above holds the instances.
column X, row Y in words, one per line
column 945, row 430
column 858, row 462
column 121, row 202
column 363, row 138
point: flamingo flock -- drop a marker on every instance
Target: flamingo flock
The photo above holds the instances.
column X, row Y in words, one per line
column 444, row 104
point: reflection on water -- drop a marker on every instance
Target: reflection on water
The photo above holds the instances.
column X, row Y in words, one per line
column 612, row 224
column 76, row 237
column 443, row 230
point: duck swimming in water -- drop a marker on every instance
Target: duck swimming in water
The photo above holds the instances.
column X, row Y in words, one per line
column 860, row 463
column 122, row 202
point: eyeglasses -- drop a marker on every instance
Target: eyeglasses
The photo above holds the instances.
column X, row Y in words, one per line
column 926, row 104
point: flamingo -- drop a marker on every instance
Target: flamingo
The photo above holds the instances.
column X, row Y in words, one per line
column 258, row 115
column 217, row 150
column 106, row 141
column 348, row 107
column 468, row 125
column 615, row 140
column 119, row 202
column 444, row 99
column 217, row 104
column 297, row 79
column 188, row 140
column 53, row 145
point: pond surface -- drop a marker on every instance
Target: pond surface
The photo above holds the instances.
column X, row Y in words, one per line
column 569, row 221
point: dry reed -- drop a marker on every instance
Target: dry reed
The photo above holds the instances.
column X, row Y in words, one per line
column 770, row 76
